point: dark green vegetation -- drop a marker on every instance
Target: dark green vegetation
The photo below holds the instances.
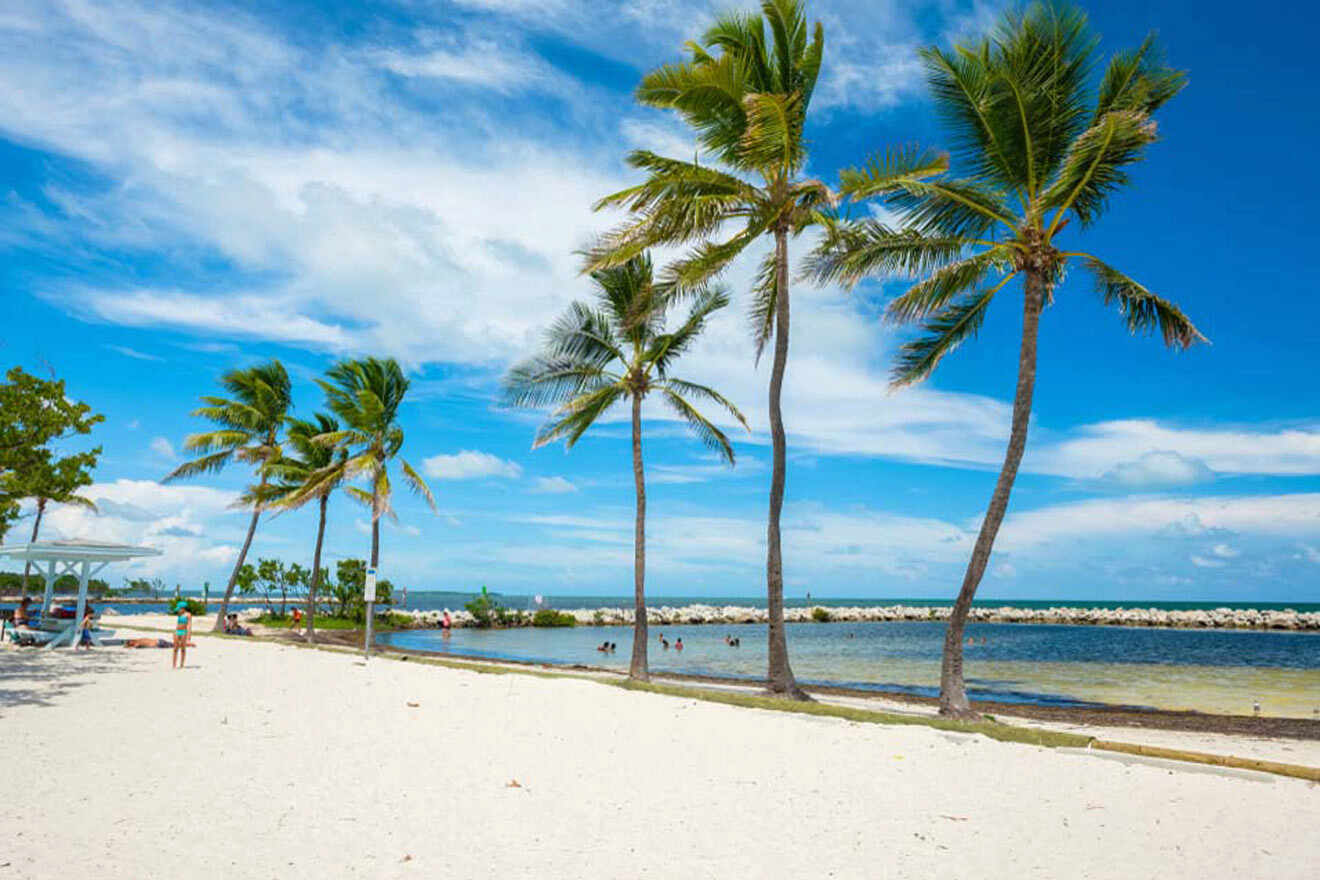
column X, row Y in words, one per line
column 37, row 418
column 551, row 617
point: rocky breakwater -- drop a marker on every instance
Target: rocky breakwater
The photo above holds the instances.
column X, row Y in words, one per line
column 1207, row 618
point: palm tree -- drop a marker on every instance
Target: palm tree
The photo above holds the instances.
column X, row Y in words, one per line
column 249, row 420
column 1042, row 149
column 309, row 470
column 47, row 480
column 746, row 96
column 595, row 357
column 366, row 395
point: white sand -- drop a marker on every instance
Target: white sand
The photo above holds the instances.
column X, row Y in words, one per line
column 270, row 761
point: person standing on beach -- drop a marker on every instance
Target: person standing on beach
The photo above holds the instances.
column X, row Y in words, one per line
column 182, row 635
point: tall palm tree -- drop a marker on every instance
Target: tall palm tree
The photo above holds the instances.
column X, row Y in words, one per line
column 745, row 94
column 595, row 357
column 250, row 420
column 366, row 395
column 309, row 470
column 1041, row 149
column 45, row 480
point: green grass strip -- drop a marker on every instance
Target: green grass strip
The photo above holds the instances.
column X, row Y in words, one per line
column 1297, row 771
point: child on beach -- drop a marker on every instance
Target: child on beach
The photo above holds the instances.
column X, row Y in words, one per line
column 85, row 629
column 182, row 635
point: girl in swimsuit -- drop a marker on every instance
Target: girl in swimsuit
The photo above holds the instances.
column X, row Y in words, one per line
column 182, row 634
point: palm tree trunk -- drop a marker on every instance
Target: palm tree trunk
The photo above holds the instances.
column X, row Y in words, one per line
column 780, row 678
column 233, row 576
column 638, row 669
column 953, row 690
column 27, row 566
column 316, row 574
column 375, row 524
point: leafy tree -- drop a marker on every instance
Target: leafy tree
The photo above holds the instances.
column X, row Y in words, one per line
column 34, row 413
column 45, row 480
column 745, row 94
column 250, row 421
column 270, row 574
column 614, row 351
column 350, row 582
column 310, row 470
column 1042, row 149
column 366, row 396
column 246, row 580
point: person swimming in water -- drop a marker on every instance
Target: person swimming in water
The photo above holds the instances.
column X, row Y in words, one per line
column 664, row 642
column 678, row 644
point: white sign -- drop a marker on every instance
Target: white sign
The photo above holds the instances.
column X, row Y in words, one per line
column 369, row 591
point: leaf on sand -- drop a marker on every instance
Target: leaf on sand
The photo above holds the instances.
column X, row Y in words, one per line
column 513, row 783
column 414, row 705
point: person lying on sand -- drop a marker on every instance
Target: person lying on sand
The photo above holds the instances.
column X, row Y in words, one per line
column 147, row 643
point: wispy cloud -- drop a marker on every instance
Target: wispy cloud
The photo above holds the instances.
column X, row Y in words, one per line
column 134, row 353
column 470, row 465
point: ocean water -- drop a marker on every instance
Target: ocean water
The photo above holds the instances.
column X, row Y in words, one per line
column 1207, row 670
column 434, row 600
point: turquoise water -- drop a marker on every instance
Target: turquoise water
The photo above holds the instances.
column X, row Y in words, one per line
column 1209, row 670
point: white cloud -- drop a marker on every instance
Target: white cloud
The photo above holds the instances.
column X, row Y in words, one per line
column 1311, row 554
column 1157, row 469
column 194, row 526
column 1062, row 524
column 134, row 353
column 1204, row 562
column 470, row 465
column 552, row 485
column 1180, row 453
column 1224, row 551
column 162, row 448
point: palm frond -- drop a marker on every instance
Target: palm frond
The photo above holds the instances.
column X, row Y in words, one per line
column 1095, row 165
column 883, row 172
column 1142, row 310
column 710, row 436
column 687, row 389
column 933, row 293
column 416, row 483
column 849, row 252
column 958, row 322
column 573, row 419
column 1138, row 80
column 207, row 464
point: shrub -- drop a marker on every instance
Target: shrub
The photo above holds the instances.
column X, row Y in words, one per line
column 598, row 618
column 820, row 615
column 551, row 617
column 195, row 606
column 509, row 617
column 482, row 609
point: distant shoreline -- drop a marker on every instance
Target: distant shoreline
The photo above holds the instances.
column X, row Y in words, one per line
column 1212, row 618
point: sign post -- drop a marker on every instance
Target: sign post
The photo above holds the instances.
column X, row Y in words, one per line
column 369, row 596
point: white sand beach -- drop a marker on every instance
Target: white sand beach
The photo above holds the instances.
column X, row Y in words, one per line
column 262, row 760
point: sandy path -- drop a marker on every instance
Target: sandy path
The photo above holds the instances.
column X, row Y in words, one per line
column 271, row 761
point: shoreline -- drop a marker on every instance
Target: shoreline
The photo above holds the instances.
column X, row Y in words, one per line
column 1286, row 620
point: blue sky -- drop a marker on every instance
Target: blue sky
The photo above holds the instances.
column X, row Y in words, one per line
column 189, row 188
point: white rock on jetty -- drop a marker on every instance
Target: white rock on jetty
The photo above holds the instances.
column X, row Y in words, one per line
column 665, row 615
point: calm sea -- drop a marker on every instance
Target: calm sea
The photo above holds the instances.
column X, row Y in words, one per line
column 1207, row 670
